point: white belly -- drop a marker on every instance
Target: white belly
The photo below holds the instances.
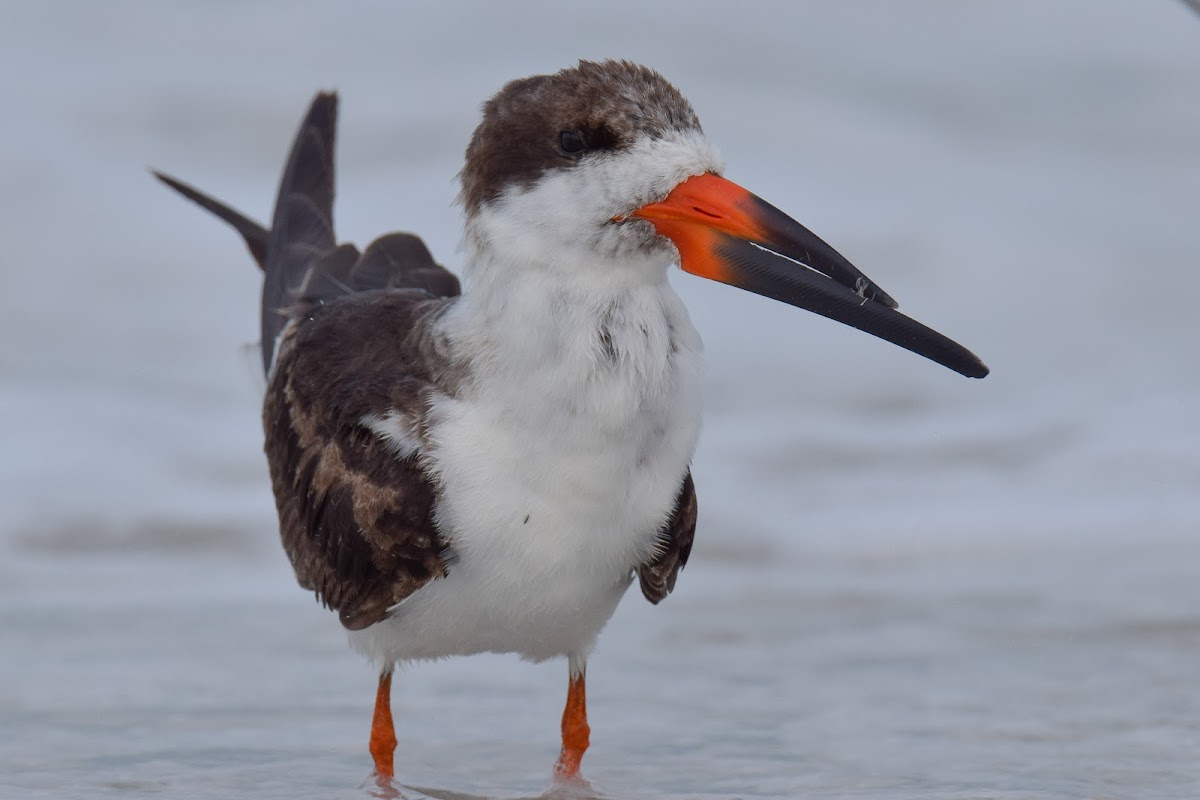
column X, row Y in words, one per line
column 556, row 480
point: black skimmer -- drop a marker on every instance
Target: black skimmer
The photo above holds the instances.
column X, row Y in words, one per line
column 489, row 471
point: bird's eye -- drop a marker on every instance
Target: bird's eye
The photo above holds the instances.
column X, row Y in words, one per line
column 572, row 142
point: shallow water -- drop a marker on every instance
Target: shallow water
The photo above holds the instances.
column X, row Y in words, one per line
column 906, row 584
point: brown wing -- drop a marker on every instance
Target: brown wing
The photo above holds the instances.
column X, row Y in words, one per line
column 657, row 578
column 357, row 521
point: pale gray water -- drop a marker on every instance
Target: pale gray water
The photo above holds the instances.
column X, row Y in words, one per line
column 906, row 584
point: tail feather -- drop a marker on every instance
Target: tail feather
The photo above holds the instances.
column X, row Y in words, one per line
column 402, row 261
column 331, row 275
column 256, row 235
column 302, row 226
column 300, row 257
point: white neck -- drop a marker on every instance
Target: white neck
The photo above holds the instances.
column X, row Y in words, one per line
column 567, row 319
column 600, row 340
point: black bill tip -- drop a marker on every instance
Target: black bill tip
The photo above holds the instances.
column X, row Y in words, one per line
column 766, row 273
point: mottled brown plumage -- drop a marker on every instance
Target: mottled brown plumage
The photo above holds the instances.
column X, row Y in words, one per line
column 357, row 521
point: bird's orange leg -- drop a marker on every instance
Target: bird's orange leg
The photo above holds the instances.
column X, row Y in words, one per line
column 575, row 730
column 383, row 733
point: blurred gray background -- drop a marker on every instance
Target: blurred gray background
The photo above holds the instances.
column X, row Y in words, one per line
column 905, row 585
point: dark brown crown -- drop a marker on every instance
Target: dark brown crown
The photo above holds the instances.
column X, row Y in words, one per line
column 608, row 103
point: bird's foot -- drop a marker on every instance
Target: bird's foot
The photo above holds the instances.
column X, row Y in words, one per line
column 575, row 787
column 383, row 787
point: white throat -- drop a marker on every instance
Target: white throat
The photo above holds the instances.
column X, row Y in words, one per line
column 603, row 341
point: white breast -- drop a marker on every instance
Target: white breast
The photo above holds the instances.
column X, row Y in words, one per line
column 559, row 461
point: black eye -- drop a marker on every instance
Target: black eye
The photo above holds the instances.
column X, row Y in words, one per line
column 572, row 142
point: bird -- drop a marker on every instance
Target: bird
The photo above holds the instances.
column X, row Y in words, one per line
column 487, row 465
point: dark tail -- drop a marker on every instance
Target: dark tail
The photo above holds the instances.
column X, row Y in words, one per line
column 301, row 235
column 255, row 235
column 301, row 261
column 302, row 226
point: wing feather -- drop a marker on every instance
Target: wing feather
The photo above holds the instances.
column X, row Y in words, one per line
column 657, row 578
column 356, row 519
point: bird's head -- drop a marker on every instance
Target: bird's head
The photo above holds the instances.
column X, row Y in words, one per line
column 602, row 170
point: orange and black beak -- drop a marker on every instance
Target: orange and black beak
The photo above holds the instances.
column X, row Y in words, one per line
column 725, row 233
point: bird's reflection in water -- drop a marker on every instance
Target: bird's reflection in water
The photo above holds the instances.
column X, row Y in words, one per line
column 388, row 789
